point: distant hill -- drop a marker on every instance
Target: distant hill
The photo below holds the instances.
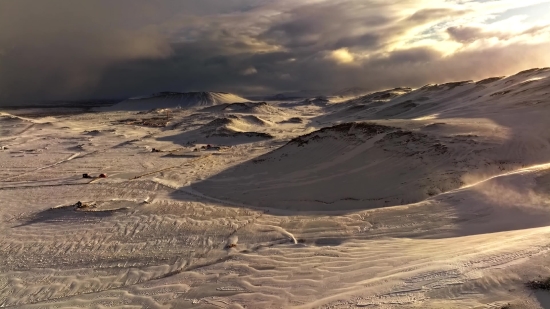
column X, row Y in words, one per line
column 351, row 92
column 178, row 99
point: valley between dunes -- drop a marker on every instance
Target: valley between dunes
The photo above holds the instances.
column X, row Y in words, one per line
column 437, row 197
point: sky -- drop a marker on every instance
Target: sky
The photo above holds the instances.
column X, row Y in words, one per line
column 73, row 50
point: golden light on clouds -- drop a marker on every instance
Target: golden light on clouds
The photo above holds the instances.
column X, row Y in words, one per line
column 342, row 56
column 276, row 46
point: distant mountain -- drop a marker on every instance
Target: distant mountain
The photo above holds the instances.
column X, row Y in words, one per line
column 309, row 94
column 178, row 99
column 351, row 92
column 291, row 96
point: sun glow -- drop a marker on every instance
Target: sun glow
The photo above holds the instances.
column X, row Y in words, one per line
column 342, row 56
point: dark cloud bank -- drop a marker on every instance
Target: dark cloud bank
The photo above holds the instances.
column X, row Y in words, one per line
column 61, row 49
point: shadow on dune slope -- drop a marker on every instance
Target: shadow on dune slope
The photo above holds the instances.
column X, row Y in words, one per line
column 351, row 167
column 348, row 167
column 361, row 170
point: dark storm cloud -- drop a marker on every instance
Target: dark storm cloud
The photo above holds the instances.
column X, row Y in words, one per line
column 327, row 25
column 56, row 49
column 413, row 67
column 368, row 40
column 413, row 55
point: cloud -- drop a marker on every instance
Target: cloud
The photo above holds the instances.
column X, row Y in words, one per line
column 249, row 71
column 54, row 49
column 465, row 34
column 470, row 34
column 342, row 56
column 58, row 48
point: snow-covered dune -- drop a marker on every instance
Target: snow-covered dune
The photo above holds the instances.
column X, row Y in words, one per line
column 436, row 197
column 356, row 166
column 448, row 98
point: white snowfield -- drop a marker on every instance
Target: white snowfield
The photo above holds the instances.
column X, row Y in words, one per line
column 437, row 197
